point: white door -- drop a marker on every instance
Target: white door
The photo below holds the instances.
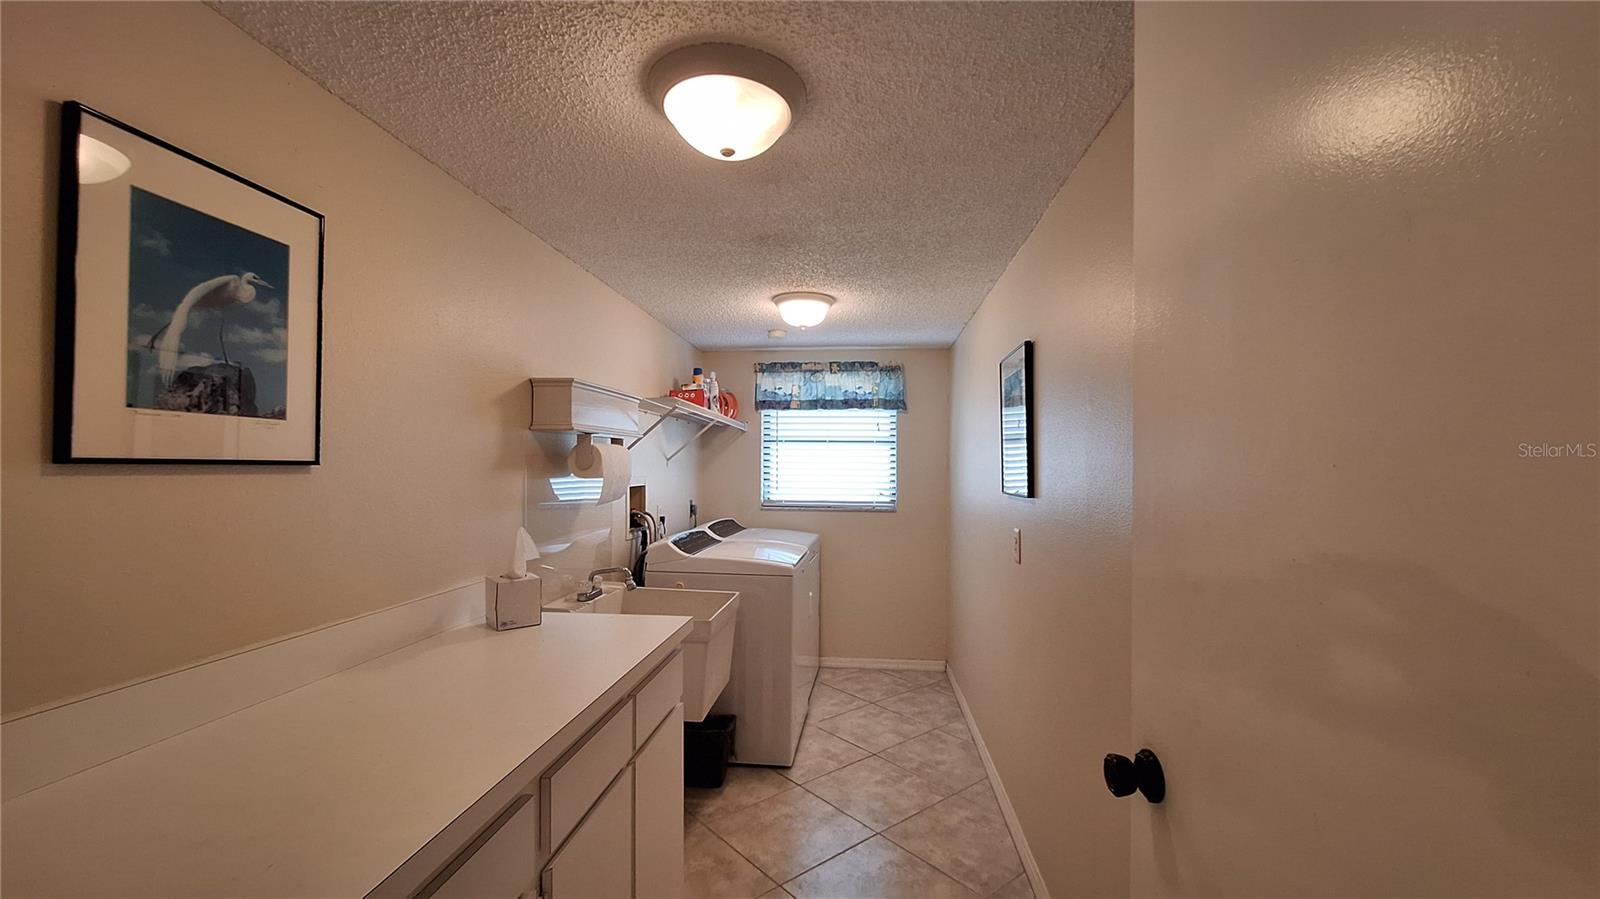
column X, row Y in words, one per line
column 658, row 812
column 597, row 861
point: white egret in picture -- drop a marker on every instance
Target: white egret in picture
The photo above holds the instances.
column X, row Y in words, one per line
column 207, row 313
column 217, row 293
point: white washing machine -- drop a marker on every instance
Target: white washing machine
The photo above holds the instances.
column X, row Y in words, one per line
column 728, row 529
column 776, row 639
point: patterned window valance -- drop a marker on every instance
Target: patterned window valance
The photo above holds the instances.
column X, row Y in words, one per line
column 830, row 385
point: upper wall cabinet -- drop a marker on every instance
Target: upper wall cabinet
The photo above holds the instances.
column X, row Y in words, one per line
column 568, row 404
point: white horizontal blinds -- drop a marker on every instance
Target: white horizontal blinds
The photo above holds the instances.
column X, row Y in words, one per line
column 846, row 458
column 1014, row 449
column 572, row 489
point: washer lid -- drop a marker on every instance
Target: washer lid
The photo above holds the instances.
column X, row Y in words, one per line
column 691, row 551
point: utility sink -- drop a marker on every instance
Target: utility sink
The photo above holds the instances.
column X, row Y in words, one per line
column 708, row 650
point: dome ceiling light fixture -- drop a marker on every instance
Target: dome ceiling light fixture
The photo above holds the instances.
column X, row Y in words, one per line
column 728, row 101
column 803, row 308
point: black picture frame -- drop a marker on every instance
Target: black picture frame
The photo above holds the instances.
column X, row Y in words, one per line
column 66, row 409
column 1016, row 414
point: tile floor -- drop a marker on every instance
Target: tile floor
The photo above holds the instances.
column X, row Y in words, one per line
column 887, row 799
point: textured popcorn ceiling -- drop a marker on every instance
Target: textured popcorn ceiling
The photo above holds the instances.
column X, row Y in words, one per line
column 933, row 138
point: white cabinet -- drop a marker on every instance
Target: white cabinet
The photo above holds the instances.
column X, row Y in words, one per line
column 604, row 821
column 658, row 812
column 500, row 863
column 573, row 783
column 597, row 860
column 656, row 698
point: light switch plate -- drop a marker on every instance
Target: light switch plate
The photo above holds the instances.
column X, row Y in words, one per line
column 1016, row 545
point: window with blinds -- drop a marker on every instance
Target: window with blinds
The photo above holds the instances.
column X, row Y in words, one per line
column 830, row 459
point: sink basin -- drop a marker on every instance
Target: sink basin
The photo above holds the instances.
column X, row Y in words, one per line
column 708, row 650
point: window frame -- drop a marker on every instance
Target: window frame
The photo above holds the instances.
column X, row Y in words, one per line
column 825, row 506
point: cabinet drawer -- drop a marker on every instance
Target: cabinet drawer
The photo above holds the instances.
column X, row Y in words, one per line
column 597, row 863
column 572, row 784
column 500, row 863
column 659, row 695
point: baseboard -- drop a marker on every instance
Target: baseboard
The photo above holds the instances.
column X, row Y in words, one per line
column 45, row 745
column 1035, row 878
column 891, row 664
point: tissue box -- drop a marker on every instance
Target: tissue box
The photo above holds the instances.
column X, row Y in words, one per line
column 513, row 602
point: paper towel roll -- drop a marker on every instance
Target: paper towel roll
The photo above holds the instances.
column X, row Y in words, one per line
column 610, row 463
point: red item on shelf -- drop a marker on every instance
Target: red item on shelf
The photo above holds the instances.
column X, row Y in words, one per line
column 729, row 403
column 696, row 395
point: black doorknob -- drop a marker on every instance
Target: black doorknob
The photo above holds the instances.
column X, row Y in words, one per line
column 1141, row 773
column 1120, row 779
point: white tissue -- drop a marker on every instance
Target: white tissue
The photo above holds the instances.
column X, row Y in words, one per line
column 607, row 461
column 523, row 551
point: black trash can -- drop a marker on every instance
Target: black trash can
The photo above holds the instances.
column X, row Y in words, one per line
column 707, row 747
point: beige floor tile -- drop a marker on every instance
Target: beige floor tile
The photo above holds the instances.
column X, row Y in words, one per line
column 929, row 704
column 870, row 685
column 876, row 793
column 819, row 753
column 982, row 794
column 876, row 869
column 745, row 785
column 963, row 840
column 789, row 833
column 1016, row 889
column 950, row 762
column 874, row 728
column 945, row 685
column 777, row 893
column 920, row 678
column 713, row 870
column 829, row 675
column 827, row 702
column 957, row 729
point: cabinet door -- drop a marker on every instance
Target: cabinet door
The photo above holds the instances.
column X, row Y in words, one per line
column 658, row 812
column 597, row 860
column 500, row 863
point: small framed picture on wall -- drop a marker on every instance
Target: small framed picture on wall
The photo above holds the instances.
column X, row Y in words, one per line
column 188, row 308
column 1016, row 421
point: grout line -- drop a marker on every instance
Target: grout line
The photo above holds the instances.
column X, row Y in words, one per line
column 760, row 870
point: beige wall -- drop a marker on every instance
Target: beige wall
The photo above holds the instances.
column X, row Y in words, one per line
column 884, row 574
column 436, row 309
column 1041, row 649
column 1367, row 629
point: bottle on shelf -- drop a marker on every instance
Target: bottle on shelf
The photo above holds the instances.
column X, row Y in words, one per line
column 713, row 393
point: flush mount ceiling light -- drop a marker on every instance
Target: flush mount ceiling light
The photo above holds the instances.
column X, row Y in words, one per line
column 729, row 102
column 802, row 308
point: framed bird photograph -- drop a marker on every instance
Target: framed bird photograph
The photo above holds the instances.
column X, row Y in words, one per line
column 188, row 310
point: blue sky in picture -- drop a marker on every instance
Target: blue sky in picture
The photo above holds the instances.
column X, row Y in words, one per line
column 173, row 248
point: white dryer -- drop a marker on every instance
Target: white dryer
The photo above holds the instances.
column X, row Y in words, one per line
column 776, row 643
column 728, row 529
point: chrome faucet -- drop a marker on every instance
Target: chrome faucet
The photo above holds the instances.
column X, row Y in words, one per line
column 594, row 592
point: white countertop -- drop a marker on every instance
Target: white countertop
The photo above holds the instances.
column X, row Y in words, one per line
column 323, row 791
